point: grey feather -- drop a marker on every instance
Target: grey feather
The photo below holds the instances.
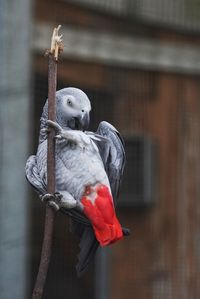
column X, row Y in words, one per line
column 88, row 246
column 33, row 176
column 113, row 155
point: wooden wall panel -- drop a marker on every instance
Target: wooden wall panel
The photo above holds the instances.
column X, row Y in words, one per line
column 161, row 258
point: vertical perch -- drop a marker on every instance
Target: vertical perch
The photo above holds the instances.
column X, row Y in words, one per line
column 56, row 48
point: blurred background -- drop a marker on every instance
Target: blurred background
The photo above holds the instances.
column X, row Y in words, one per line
column 139, row 63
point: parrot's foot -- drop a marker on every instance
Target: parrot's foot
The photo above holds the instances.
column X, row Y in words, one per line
column 67, row 200
column 55, row 126
column 60, row 134
column 59, row 200
column 52, row 200
column 76, row 137
column 46, row 197
column 59, row 131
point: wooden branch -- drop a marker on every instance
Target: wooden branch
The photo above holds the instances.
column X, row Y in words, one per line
column 56, row 48
column 56, row 43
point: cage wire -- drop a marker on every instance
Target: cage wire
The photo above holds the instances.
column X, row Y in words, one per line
column 157, row 111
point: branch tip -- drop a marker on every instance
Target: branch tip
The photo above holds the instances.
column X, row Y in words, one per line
column 56, row 42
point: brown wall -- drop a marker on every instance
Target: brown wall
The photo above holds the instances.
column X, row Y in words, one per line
column 160, row 260
column 161, row 257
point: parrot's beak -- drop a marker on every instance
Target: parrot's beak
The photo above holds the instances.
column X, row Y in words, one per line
column 80, row 122
column 85, row 120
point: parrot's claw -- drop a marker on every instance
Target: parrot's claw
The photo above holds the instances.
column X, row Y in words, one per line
column 59, row 137
column 46, row 197
column 53, row 205
column 58, row 196
column 56, row 202
column 54, row 125
column 53, row 200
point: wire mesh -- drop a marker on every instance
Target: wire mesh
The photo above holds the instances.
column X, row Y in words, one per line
column 178, row 14
column 161, row 257
column 155, row 261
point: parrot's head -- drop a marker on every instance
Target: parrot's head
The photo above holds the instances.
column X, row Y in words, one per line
column 72, row 109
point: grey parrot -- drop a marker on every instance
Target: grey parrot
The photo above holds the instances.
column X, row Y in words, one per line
column 89, row 168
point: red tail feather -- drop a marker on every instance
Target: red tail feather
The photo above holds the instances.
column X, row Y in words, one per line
column 101, row 213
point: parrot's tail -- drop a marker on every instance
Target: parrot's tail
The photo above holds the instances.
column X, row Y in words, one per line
column 88, row 246
column 100, row 211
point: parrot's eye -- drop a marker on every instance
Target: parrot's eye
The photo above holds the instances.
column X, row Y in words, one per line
column 69, row 102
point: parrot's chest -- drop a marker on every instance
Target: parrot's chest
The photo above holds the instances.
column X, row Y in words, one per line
column 78, row 167
column 76, row 157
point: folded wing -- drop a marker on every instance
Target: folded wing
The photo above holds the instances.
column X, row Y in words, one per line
column 113, row 155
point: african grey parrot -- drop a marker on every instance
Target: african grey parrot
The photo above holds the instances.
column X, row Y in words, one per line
column 89, row 168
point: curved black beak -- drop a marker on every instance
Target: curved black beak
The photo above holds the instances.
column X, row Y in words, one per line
column 80, row 122
column 85, row 121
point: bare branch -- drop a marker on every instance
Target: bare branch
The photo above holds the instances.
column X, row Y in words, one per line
column 56, row 48
column 56, row 42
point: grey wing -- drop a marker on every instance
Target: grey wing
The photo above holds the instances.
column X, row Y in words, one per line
column 33, row 175
column 113, row 155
